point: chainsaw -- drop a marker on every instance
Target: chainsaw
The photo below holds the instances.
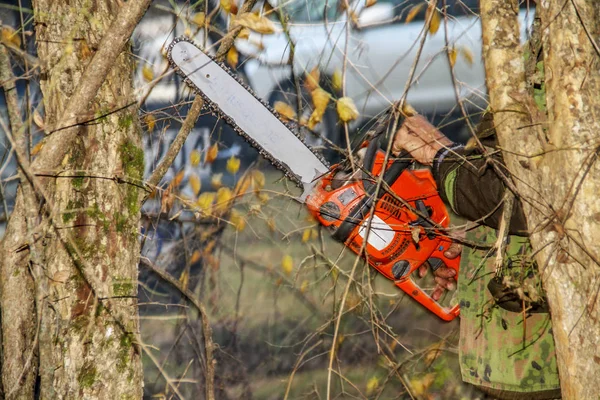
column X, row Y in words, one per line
column 387, row 212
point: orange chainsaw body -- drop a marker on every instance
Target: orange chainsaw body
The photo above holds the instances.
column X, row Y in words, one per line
column 401, row 234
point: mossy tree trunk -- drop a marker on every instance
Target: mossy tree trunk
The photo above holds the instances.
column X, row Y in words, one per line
column 70, row 285
column 551, row 143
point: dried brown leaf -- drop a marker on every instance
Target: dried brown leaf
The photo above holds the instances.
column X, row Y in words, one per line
column 285, row 110
column 413, row 12
column 257, row 23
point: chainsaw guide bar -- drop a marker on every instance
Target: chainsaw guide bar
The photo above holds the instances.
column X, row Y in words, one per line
column 273, row 137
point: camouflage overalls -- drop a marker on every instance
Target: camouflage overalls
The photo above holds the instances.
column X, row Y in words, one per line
column 499, row 349
column 509, row 354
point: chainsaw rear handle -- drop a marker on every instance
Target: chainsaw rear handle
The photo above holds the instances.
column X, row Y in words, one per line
column 403, row 270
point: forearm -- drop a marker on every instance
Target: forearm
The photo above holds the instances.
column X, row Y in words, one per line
column 473, row 189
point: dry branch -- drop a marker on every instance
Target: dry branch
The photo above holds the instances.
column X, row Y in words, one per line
column 206, row 329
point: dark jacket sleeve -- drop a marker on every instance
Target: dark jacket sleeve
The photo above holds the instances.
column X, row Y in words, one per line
column 472, row 188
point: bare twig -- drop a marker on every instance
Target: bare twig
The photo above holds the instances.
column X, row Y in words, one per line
column 503, row 230
column 206, row 329
column 184, row 131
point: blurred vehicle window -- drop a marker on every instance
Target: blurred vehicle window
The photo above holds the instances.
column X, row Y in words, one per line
column 310, row 10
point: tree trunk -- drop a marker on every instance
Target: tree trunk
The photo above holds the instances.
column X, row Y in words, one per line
column 80, row 293
column 553, row 158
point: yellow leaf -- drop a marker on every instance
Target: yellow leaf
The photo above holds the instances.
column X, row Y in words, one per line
column 314, row 234
column 237, row 220
column 184, row 278
column 178, row 178
column 257, row 23
column 336, row 80
column 10, row 36
column 211, row 154
column 224, row 196
column 226, row 5
column 262, row 197
column 166, row 201
column 452, row 56
column 304, row 286
column 372, row 385
column 195, row 158
column 85, row 51
column 339, row 341
column 271, row 224
column 303, row 120
column 369, row 3
column 285, row 110
column 215, row 181
column 413, row 12
column 467, row 55
column 150, row 122
column 254, row 209
column 432, row 355
column 36, row 149
column 287, row 264
column 233, row 165
column 199, row 18
column 38, row 119
column 312, row 79
column 232, row 57
column 243, row 184
column 147, row 73
column 421, row 386
column 195, row 183
column 353, row 300
column 346, row 109
column 205, row 201
column 258, row 179
column 320, row 99
column 196, row 256
column 244, row 34
column 306, row 235
column 334, row 274
column 69, row 48
column 434, row 25
column 187, row 32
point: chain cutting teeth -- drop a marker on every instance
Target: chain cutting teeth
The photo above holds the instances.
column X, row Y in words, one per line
column 214, row 108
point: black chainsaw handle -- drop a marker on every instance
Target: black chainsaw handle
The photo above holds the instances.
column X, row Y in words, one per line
column 390, row 175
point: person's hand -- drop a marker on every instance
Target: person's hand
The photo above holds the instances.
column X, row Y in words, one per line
column 444, row 276
column 421, row 139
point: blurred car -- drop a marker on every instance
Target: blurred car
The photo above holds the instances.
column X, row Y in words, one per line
column 378, row 50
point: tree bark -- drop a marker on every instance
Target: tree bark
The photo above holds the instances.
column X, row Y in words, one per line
column 553, row 159
column 89, row 201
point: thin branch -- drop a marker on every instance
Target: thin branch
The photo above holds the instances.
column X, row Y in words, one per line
column 206, row 329
column 184, row 131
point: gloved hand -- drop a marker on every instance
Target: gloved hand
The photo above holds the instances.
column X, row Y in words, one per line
column 421, row 139
column 444, row 276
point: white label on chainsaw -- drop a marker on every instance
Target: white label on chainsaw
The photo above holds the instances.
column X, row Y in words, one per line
column 381, row 234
